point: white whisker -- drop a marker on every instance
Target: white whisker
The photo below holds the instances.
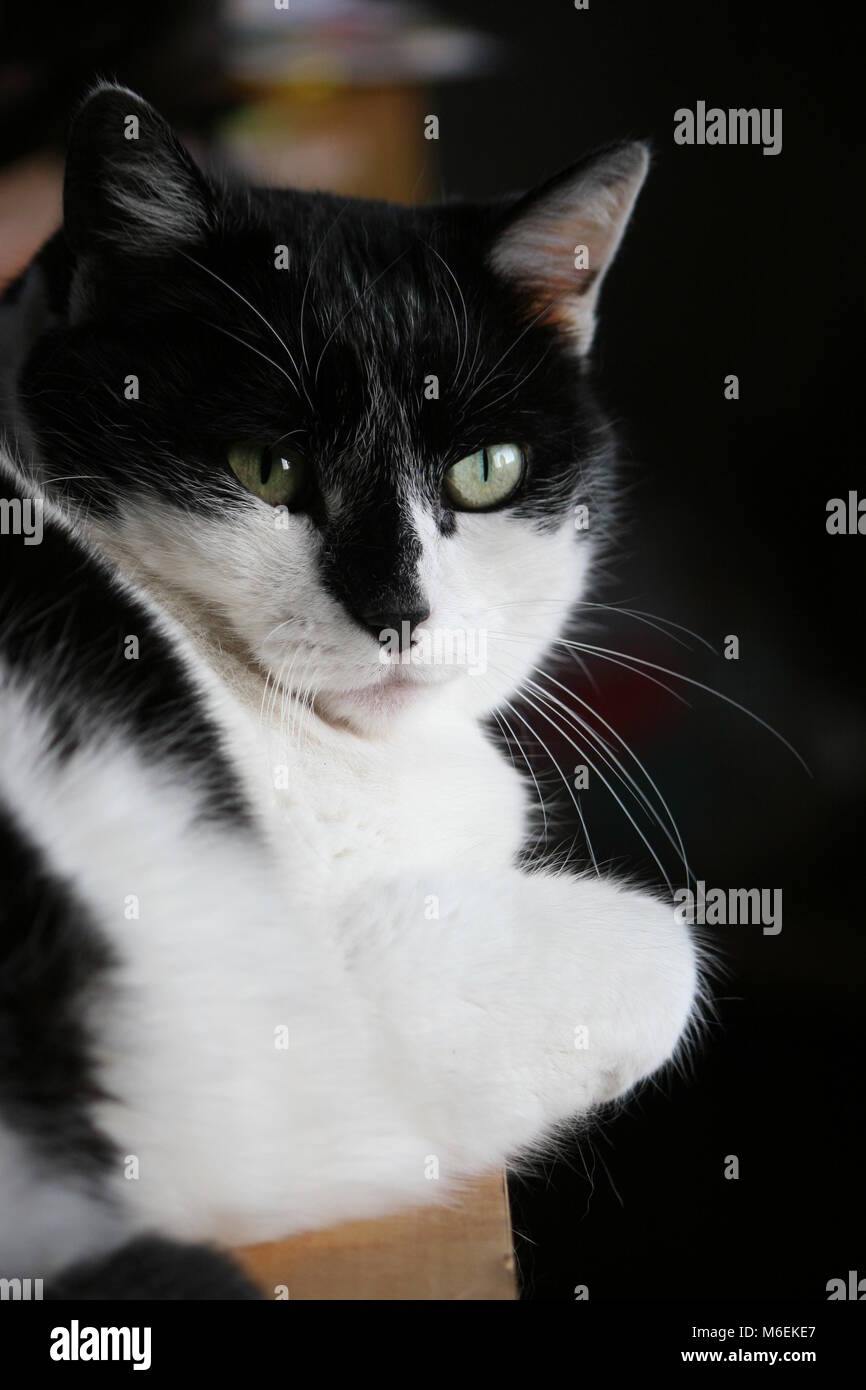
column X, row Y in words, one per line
column 569, row 788
column 605, row 651
column 630, row 751
column 583, row 753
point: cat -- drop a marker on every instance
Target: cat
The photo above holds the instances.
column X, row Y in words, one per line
column 270, row 956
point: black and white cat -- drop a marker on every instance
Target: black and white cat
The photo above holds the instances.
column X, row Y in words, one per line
column 268, row 958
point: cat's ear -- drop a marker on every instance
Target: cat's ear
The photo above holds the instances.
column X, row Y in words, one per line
column 131, row 189
column 558, row 241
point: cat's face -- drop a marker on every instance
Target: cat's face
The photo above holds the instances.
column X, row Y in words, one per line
column 359, row 436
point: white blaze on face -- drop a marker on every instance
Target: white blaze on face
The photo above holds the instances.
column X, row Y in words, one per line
column 503, row 583
column 498, row 588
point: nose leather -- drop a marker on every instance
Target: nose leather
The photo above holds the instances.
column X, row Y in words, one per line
column 401, row 620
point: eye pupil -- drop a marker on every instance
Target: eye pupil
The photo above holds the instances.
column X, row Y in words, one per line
column 274, row 474
column 485, row 479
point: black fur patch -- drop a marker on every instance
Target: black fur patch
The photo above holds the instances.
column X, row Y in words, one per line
column 307, row 317
column 50, row 958
column 64, row 622
column 151, row 1268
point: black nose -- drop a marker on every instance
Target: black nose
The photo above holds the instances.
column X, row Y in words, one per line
column 402, row 622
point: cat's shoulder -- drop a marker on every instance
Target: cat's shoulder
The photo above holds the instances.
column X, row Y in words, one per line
column 92, row 656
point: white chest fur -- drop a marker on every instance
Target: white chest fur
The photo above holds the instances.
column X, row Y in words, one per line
column 292, row 1039
column 340, row 807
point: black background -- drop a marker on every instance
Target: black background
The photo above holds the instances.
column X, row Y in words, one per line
column 735, row 263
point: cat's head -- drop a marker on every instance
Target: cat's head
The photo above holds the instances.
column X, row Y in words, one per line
column 325, row 419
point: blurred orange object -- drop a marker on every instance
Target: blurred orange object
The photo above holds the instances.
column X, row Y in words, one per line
column 31, row 198
column 366, row 142
column 462, row 1251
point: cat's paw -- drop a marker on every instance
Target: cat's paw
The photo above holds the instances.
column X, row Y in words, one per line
column 606, row 992
column 527, row 1001
column 637, row 981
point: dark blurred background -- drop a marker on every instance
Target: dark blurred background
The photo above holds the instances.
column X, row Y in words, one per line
column 736, row 263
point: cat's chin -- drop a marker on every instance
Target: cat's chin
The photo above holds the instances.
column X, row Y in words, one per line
column 394, row 694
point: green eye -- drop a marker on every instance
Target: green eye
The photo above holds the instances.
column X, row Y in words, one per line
column 276, row 475
column 482, row 480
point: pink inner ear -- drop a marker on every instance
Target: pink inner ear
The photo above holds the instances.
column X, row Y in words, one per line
column 556, row 262
column 562, row 245
column 561, row 261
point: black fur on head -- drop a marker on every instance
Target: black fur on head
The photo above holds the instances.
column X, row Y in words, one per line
column 380, row 344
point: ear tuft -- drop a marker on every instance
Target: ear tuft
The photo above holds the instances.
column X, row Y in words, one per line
column 130, row 187
column 558, row 241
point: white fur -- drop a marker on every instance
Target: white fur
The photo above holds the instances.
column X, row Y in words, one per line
column 423, row 1049
column 410, row 1039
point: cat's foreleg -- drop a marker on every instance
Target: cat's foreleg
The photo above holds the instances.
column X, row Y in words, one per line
column 514, row 1003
